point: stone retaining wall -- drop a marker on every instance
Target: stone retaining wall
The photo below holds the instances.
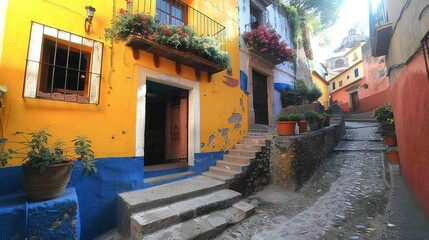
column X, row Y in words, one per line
column 295, row 158
column 257, row 175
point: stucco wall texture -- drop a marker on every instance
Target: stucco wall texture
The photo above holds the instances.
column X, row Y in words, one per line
column 410, row 98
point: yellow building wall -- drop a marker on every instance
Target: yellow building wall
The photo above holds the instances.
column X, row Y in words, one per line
column 343, row 77
column 111, row 124
column 323, row 85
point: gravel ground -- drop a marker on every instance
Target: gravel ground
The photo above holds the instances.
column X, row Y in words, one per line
column 348, row 198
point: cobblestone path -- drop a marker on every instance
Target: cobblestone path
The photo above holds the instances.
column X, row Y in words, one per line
column 348, row 198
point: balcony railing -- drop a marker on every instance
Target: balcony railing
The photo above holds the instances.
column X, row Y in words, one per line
column 174, row 12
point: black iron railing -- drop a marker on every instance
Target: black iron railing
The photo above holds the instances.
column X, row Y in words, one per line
column 174, row 12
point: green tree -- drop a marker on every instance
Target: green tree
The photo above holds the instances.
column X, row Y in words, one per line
column 326, row 10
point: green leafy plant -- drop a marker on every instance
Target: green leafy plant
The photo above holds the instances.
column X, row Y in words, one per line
column 294, row 22
column 282, row 118
column 180, row 37
column 287, row 98
column 323, row 116
column 384, row 116
column 297, row 117
column 314, row 93
column 312, row 116
column 301, row 91
column 383, row 113
column 36, row 152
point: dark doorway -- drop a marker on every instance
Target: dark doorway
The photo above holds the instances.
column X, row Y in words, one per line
column 260, row 98
column 166, row 126
column 355, row 101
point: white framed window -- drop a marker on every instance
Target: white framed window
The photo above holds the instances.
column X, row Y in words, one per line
column 62, row 66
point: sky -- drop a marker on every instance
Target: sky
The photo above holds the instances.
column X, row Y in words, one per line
column 353, row 14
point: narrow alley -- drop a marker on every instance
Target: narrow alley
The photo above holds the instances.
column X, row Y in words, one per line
column 355, row 194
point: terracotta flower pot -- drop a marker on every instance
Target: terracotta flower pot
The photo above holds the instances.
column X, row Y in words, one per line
column 390, row 141
column 393, row 157
column 286, row 128
column 303, row 126
column 47, row 185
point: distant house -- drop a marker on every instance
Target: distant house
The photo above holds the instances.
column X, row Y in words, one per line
column 399, row 31
column 357, row 81
column 318, row 75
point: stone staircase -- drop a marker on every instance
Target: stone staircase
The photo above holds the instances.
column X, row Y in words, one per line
column 238, row 159
column 194, row 208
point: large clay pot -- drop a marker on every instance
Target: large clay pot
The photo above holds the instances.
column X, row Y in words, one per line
column 303, row 126
column 390, row 141
column 47, row 185
column 393, row 157
column 286, row 128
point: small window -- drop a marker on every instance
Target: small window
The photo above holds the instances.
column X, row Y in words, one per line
column 356, row 73
column 171, row 12
column 62, row 66
column 340, row 84
column 255, row 17
column 333, row 86
column 348, row 76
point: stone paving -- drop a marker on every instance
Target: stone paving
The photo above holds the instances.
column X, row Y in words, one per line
column 346, row 199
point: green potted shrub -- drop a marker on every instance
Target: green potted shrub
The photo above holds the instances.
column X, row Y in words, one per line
column 287, row 98
column 313, row 119
column 313, row 94
column 286, row 125
column 47, row 168
column 301, row 91
column 384, row 116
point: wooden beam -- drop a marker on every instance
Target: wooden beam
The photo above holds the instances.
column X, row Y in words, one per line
column 178, row 68
column 136, row 53
column 197, row 74
column 156, row 60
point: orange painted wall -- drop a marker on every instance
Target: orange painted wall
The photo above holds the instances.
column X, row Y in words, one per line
column 410, row 101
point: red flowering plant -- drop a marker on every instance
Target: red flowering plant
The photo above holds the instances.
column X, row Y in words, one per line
column 266, row 42
column 180, row 37
column 128, row 23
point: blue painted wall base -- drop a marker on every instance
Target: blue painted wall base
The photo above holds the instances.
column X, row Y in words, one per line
column 53, row 219
column 97, row 196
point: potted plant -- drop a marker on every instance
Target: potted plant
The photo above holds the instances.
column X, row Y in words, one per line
column 301, row 91
column 46, row 168
column 326, row 119
column 302, row 123
column 392, row 155
column 313, row 119
column 313, row 94
column 285, row 125
column 384, row 116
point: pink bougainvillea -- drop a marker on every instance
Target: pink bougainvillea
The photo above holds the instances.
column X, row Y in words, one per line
column 266, row 41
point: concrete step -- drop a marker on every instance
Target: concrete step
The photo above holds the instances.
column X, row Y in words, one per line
column 224, row 171
column 207, row 226
column 256, row 141
column 241, row 152
column 240, row 167
column 255, row 147
column 217, row 177
column 146, row 222
column 137, row 201
column 168, row 177
column 237, row 159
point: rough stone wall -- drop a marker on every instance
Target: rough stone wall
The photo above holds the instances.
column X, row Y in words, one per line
column 315, row 106
column 302, row 69
column 296, row 158
column 257, row 175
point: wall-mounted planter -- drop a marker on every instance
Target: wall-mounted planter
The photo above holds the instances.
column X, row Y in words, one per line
column 178, row 56
column 286, row 128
